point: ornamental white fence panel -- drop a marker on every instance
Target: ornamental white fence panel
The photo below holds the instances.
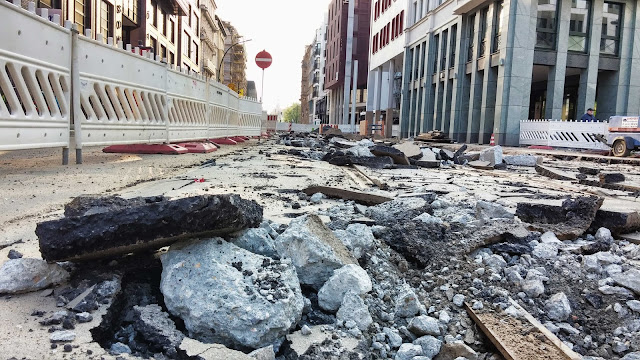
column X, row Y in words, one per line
column 35, row 80
column 59, row 88
column 564, row 134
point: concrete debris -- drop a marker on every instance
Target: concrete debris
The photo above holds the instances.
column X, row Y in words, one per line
column 386, row 151
column 13, row 254
column 493, row 155
column 266, row 353
column 359, row 197
column 157, row 329
column 523, row 160
column 455, row 350
column 26, row 275
column 410, row 149
column 630, row 279
column 430, row 345
column 62, row 336
column 555, row 173
column 611, row 178
column 482, row 165
column 558, row 307
column 354, row 309
column 424, row 325
column 407, row 304
column 398, row 208
column 350, row 277
column 340, row 159
column 195, row 348
column 488, row 210
column 568, row 220
column 358, row 238
column 230, row 296
column 313, row 249
column 257, row 241
column 144, row 226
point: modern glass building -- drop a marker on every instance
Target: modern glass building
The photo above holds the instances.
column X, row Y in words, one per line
column 474, row 68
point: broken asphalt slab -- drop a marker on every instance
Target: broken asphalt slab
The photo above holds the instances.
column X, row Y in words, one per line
column 359, row 197
column 126, row 229
column 568, row 221
column 398, row 156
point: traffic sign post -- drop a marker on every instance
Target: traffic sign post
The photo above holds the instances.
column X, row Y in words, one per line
column 263, row 60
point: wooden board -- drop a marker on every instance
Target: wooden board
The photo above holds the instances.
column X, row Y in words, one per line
column 521, row 340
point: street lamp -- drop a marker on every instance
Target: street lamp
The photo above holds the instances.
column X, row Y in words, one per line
column 225, row 53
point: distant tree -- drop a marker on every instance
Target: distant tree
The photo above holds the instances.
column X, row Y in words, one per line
column 292, row 113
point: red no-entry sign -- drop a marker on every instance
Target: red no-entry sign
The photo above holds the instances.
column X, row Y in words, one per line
column 263, row 59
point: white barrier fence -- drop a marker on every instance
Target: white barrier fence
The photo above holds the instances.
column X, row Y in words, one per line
column 566, row 134
column 118, row 96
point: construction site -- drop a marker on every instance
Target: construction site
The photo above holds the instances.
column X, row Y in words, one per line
column 150, row 211
column 307, row 246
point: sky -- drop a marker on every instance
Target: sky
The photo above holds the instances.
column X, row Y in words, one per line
column 283, row 28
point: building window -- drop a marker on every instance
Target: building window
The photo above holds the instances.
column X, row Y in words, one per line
column 579, row 25
column 546, row 24
column 186, row 44
column 172, row 58
column 163, row 52
column 81, row 8
column 471, row 23
column 436, row 45
column 155, row 14
column 197, row 29
column 497, row 29
column 154, row 44
column 611, row 18
column 482, row 40
column 172, row 29
column 197, row 53
column 415, row 12
column 453, row 46
column 49, row 4
column 424, row 59
column 164, row 24
column 189, row 15
column 443, row 52
column 401, row 21
column 106, row 18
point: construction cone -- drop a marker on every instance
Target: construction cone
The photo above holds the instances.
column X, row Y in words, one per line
column 493, row 141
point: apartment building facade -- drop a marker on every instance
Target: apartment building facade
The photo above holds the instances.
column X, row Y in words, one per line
column 212, row 37
column 337, row 59
column 160, row 26
column 305, row 86
column 235, row 62
column 476, row 68
column 386, row 62
column 318, row 102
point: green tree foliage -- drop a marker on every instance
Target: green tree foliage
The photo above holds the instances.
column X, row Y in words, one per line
column 292, row 113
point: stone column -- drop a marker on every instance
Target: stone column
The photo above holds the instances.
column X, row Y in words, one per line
column 514, row 77
column 371, row 96
column 458, row 81
column 428, row 103
column 405, row 99
column 437, row 107
column 378, row 95
column 557, row 73
column 589, row 76
column 475, row 95
column 388, row 121
column 488, row 80
column 633, row 99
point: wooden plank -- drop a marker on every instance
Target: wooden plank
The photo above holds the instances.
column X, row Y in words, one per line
column 514, row 339
column 498, row 344
column 548, row 334
column 359, row 197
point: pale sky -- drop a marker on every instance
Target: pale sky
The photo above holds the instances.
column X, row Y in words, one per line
column 283, row 28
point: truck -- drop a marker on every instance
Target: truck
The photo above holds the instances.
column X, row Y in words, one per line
column 623, row 135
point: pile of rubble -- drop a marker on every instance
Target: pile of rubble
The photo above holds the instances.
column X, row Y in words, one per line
column 418, row 277
column 382, row 154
